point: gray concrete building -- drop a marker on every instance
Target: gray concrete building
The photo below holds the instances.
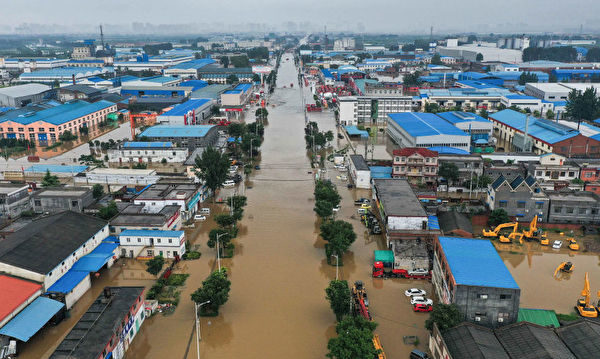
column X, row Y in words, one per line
column 468, row 165
column 14, row 199
column 520, row 198
column 54, row 200
column 22, row 95
column 573, row 207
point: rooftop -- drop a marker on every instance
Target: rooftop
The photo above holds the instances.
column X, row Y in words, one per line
column 61, row 114
column 469, row 341
column 407, row 151
column 398, row 198
column 184, row 108
column 359, row 162
column 424, row 124
column 542, row 129
column 453, row 220
column 13, row 293
column 93, row 331
column 177, row 131
column 543, row 317
column 63, row 192
column 530, row 341
column 475, row 262
column 193, row 64
column 167, row 191
column 210, row 91
column 151, row 233
column 581, row 337
column 137, row 144
column 44, row 243
column 39, row 168
column 24, row 90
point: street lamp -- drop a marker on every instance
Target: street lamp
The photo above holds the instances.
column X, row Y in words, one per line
column 196, row 306
column 337, row 262
column 218, row 256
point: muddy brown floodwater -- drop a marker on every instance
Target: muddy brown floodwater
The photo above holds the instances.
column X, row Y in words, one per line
column 277, row 306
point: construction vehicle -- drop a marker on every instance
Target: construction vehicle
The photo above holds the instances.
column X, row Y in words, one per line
column 532, row 232
column 584, row 307
column 495, row 231
column 573, row 245
column 384, row 266
column 565, row 267
column 361, row 308
column 544, row 240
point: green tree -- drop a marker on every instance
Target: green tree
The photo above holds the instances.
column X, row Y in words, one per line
column 224, row 220
column 326, row 191
column 483, row 181
column 446, row 316
column 329, row 136
column 436, row 59
column 237, row 202
column 256, row 128
column 550, row 115
column 261, row 112
column 224, row 61
column 214, row 289
column 212, row 168
column 449, row 171
column 432, row 107
column 239, row 61
column 354, row 340
column 98, row 191
column 552, row 77
column 412, row 79
column 108, row 212
column 232, row 79
column 154, row 265
column 527, row 77
column 67, row 136
column 236, row 129
column 323, row 209
column 483, row 113
column 479, row 57
column 498, row 216
column 583, row 106
column 255, row 78
column 593, row 54
column 50, row 180
column 339, row 234
column 225, row 236
column 339, row 296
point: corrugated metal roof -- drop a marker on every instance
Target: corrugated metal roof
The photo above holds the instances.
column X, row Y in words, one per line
column 177, row 131
column 13, row 293
column 541, row 317
column 476, row 262
column 147, row 145
column 545, row 130
column 68, row 281
column 31, row 319
column 24, row 90
column 39, row 168
column 184, row 108
column 151, row 233
column 433, row 223
column 419, row 124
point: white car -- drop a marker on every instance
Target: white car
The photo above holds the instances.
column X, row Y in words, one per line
column 342, row 177
column 557, row 244
column 233, row 168
column 415, row 292
column 420, row 300
column 229, row 183
column 341, row 168
column 199, row 217
column 418, row 271
column 336, row 208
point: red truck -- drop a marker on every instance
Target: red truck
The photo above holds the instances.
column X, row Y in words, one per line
column 384, row 267
column 313, row 108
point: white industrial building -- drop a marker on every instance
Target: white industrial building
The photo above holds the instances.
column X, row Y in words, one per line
column 359, row 171
column 552, row 91
column 151, row 243
column 118, row 177
column 371, row 109
column 191, row 112
column 22, row 95
column 418, row 129
column 147, row 152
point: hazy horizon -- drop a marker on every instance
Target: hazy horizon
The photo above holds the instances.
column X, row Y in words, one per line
column 398, row 17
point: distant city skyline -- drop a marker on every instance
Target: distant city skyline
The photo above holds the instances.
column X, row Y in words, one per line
column 401, row 16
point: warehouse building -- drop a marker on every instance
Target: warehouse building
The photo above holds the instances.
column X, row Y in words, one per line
column 191, row 112
column 184, row 136
column 156, row 91
column 416, row 129
column 118, row 177
column 488, row 98
column 64, row 74
column 212, row 92
column 470, row 273
column 237, row 96
column 26, row 64
column 188, row 69
column 54, row 200
column 22, row 95
column 147, row 152
column 478, row 127
column 543, row 136
column 219, row 74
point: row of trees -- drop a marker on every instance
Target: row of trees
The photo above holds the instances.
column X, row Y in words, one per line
column 583, row 105
column 315, row 138
column 559, row 53
column 227, row 226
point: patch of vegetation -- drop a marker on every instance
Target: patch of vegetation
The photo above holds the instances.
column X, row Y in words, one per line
column 177, row 279
column 567, row 317
column 191, row 255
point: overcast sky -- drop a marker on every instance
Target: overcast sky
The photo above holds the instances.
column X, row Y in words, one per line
column 394, row 16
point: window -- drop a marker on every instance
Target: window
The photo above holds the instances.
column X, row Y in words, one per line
column 588, row 174
column 74, row 203
column 539, row 205
column 52, row 129
column 557, row 210
column 37, row 203
column 562, row 173
column 170, row 240
column 505, row 296
column 547, row 173
column 139, row 240
column 570, row 210
column 502, row 204
column 128, row 240
column 41, row 129
column 582, row 210
column 521, row 204
column 482, row 296
column 571, row 174
column 538, row 173
column 21, row 129
column 157, row 240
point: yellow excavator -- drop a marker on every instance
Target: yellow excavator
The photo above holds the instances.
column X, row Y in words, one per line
column 566, row 267
column 573, row 245
column 584, row 307
column 377, row 345
column 495, row 231
column 544, row 240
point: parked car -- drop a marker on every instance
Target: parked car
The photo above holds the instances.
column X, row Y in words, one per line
column 420, row 300
column 418, row 271
column 205, row 211
column 199, row 217
column 342, row 168
column 233, row 168
column 376, row 229
column 237, row 178
column 417, row 354
column 422, row 308
column 340, row 136
column 366, row 205
column 228, row 183
column 557, row 244
column 257, row 167
column 342, row 178
column 360, row 201
column 361, row 211
column 415, row 291
column 337, row 208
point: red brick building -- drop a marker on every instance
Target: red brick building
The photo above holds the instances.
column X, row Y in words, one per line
column 417, row 165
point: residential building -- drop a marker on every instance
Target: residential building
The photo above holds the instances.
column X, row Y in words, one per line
column 573, row 207
column 54, row 200
column 45, row 126
column 469, row 166
column 43, row 253
column 81, row 52
column 372, row 109
column 147, row 152
column 118, row 176
column 14, row 199
column 487, row 98
column 417, row 165
column 359, row 171
column 554, row 168
column 416, row 129
column 216, row 74
column 497, row 168
column 108, row 327
column 191, row 112
column 589, row 169
column 543, row 136
column 22, row 95
column 78, row 92
column 521, row 198
column 139, row 217
column 184, row 136
column 186, row 195
column 454, row 223
column 151, row 243
column 470, row 273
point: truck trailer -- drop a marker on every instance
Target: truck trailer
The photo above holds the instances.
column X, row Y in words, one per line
column 384, row 267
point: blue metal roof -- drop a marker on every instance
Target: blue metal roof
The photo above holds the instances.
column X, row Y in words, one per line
column 93, row 261
column 68, row 281
column 514, row 75
column 520, row 97
column 66, row 72
column 476, row 84
column 193, row 64
column 151, row 233
column 196, row 84
column 424, row 124
column 232, row 92
column 186, row 107
column 455, row 117
column 147, row 144
column 243, row 87
column 445, row 150
column 31, row 319
column 159, row 79
column 381, row 171
column 177, row 131
column 476, row 262
column 433, row 223
column 40, row 168
column 61, row 114
column 542, row 129
column 354, row 131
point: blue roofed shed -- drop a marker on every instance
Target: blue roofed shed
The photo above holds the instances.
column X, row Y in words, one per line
column 96, row 259
column 68, row 281
column 354, row 131
column 381, row 171
column 177, row 131
column 31, row 319
column 40, row 168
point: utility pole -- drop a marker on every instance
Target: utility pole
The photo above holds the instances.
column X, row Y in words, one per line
column 102, row 38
